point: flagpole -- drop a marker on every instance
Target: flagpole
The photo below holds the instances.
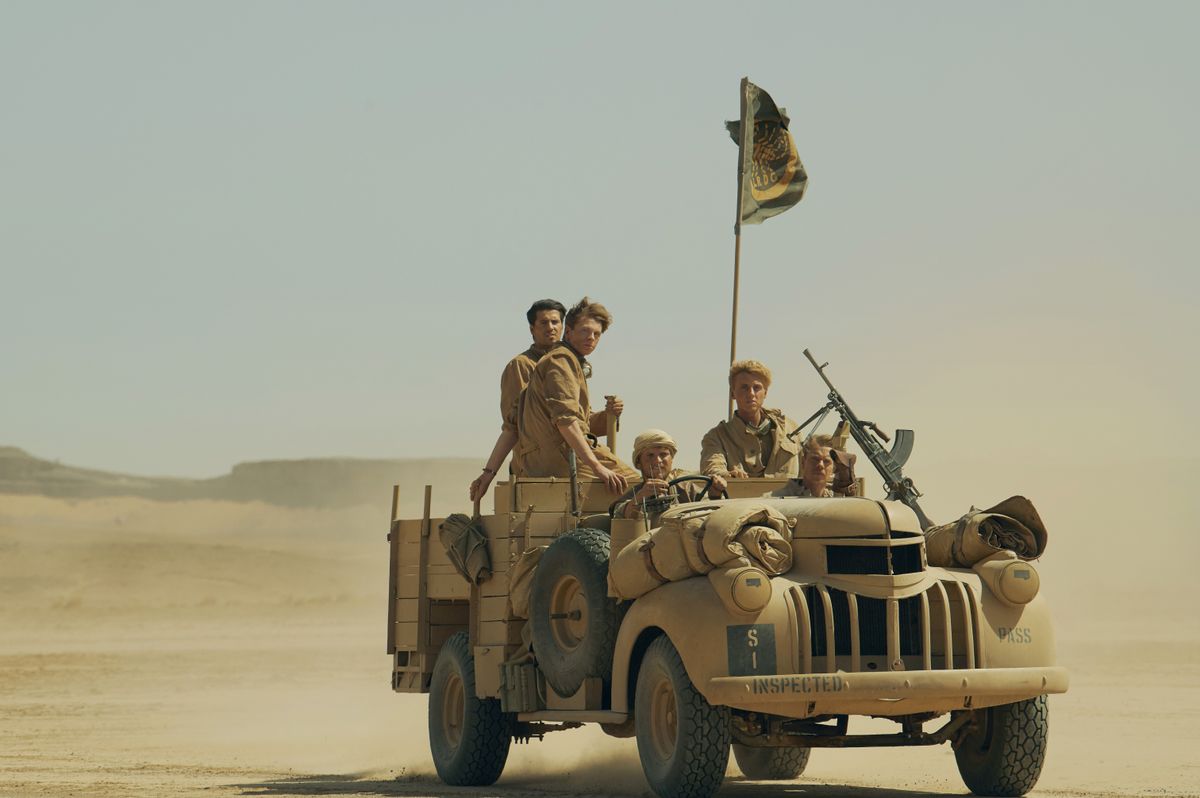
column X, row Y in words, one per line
column 737, row 230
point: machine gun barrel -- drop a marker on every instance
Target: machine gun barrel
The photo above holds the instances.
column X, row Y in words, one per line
column 888, row 464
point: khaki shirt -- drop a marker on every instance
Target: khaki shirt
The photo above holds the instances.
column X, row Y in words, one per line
column 513, row 380
column 557, row 393
column 796, row 487
column 686, row 491
column 731, row 443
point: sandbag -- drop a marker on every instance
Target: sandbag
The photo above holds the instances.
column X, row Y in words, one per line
column 520, row 581
column 1013, row 525
column 686, row 522
column 466, row 547
column 633, row 572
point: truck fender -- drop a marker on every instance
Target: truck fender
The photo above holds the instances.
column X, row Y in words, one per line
column 693, row 617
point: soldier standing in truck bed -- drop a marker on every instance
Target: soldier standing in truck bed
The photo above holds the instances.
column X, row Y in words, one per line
column 545, row 319
column 555, row 414
column 754, row 442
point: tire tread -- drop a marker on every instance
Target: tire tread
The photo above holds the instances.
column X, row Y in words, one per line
column 1013, row 763
column 487, row 731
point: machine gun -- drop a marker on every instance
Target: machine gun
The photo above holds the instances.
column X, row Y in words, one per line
column 889, row 464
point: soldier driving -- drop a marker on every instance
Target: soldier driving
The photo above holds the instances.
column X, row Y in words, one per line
column 654, row 455
column 554, row 415
column 754, row 442
column 545, row 319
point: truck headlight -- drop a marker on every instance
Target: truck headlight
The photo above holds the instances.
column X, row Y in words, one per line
column 746, row 589
column 1013, row 581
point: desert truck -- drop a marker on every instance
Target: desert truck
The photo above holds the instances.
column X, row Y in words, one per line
column 757, row 626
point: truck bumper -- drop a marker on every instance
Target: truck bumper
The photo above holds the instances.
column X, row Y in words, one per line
column 897, row 693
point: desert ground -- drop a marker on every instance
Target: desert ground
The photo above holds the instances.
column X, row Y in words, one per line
column 221, row 649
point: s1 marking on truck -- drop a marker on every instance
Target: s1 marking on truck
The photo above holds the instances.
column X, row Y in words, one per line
column 798, row 684
column 1015, row 634
column 751, row 649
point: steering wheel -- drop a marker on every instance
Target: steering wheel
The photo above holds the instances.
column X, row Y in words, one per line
column 707, row 480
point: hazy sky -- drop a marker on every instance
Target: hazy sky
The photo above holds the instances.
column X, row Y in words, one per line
column 234, row 231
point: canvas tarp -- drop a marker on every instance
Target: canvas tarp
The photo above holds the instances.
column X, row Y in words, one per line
column 1013, row 525
column 695, row 538
column 466, row 546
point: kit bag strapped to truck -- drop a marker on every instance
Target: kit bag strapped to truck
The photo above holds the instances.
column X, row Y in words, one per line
column 1013, row 525
column 697, row 538
column 844, row 481
column 466, row 547
column 520, row 581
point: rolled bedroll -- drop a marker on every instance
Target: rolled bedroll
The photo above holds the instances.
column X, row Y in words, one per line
column 1013, row 525
column 695, row 538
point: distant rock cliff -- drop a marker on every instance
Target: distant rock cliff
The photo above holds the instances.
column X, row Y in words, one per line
column 316, row 482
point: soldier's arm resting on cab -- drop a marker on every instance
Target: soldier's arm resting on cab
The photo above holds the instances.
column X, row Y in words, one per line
column 713, row 462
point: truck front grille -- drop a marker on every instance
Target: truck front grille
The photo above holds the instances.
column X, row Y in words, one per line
column 934, row 630
column 890, row 560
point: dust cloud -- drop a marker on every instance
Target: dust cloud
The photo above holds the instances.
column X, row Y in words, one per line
column 223, row 648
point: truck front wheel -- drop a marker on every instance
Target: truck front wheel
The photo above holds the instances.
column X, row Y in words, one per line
column 468, row 736
column 682, row 740
column 1002, row 751
column 771, row 764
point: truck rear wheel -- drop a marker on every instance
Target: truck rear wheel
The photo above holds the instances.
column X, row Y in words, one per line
column 468, row 736
column 771, row 764
column 682, row 740
column 574, row 622
column 1002, row 752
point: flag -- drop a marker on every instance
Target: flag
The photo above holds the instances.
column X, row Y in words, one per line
column 771, row 177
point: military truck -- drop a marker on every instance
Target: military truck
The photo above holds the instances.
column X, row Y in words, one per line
column 768, row 667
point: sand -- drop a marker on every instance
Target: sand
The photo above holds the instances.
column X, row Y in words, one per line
column 228, row 649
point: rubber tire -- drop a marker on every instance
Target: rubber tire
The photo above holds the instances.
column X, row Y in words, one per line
column 478, row 757
column 693, row 764
column 771, row 764
column 583, row 555
column 1003, row 753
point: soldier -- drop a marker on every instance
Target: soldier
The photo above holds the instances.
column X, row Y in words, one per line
column 555, row 415
column 755, row 442
column 816, row 470
column 654, row 455
column 545, row 319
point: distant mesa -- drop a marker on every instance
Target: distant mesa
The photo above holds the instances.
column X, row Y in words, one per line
column 313, row 482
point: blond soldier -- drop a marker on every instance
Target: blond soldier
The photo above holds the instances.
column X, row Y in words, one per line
column 555, row 413
column 654, row 455
column 545, row 319
column 816, row 470
column 755, row 442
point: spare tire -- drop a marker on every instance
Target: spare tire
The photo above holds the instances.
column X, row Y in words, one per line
column 574, row 622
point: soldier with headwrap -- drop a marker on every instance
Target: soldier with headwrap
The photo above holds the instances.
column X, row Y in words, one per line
column 654, row 455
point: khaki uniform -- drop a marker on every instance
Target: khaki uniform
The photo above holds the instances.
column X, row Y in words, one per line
column 796, row 487
column 732, row 443
column 686, row 491
column 513, row 380
column 557, row 392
